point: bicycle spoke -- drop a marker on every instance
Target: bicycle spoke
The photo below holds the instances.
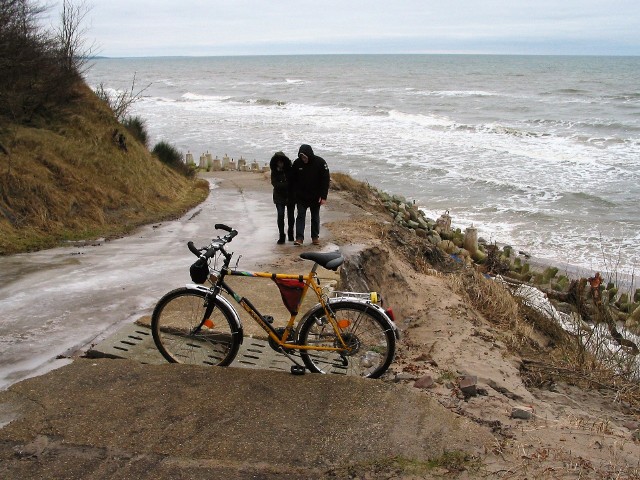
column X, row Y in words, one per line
column 174, row 323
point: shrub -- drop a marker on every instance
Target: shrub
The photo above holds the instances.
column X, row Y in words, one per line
column 171, row 156
column 137, row 127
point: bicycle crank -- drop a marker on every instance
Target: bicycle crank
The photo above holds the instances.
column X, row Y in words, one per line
column 290, row 339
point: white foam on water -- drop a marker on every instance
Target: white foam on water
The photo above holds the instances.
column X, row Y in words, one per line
column 206, row 98
column 456, row 93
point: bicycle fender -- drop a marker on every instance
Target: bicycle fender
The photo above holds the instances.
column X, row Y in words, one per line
column 224, row 304
column 377, row 308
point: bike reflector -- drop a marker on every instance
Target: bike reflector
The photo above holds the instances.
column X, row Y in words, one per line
column 389, row 313
column 343, row 323
column 208, row 323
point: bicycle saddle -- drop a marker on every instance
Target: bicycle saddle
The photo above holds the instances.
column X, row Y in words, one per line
column 329, row 260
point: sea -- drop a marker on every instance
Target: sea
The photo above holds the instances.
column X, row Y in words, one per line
column 538, row 152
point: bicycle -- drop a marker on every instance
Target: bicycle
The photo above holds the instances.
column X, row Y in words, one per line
column 349, row 333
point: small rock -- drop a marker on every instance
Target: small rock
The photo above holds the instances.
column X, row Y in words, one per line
column 424, row 382
column 631, row 425
column 468, row 385
column 523, row 413
column 404, row 376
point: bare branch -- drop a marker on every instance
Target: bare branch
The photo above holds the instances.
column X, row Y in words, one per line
column 123, row 100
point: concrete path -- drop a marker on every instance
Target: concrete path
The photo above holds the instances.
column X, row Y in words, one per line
column 56, row 302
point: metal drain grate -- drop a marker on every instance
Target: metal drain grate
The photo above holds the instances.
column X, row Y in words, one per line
column 135, row 342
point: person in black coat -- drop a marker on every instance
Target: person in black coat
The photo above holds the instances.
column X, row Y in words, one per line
column 282, row 193
column 310, row 178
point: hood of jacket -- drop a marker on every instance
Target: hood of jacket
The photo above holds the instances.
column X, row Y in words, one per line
column 279, row 156
column 306, row 149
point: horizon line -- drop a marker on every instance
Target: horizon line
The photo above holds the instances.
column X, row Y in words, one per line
column 116, row 57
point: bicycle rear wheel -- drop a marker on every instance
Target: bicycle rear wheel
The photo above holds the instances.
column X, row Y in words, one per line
column 367, row 333
column 175, row 320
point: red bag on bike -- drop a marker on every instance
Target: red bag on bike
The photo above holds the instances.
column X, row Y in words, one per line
column 290, row 291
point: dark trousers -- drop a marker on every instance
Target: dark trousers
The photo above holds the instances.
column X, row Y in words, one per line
column 291, row 217
column 314, row 209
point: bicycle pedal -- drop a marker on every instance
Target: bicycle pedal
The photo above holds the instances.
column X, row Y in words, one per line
column 268, row 318
column 297, row 370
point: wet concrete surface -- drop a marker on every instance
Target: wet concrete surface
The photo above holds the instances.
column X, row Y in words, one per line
column 57, row 301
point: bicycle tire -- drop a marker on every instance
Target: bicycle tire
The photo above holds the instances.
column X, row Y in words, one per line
column 369, row 333
column 176, row 315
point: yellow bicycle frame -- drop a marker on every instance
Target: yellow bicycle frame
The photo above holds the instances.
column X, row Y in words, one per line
column 310, row 281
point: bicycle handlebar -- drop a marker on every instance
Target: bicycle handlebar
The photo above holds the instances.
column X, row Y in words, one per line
column 193, row 248
column 222, row 226
column 216, row 244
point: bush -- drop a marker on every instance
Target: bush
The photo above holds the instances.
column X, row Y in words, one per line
column 137, row 127
column 171, row 156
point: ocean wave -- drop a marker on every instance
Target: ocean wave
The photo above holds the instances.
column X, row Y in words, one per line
column 567, row 91
column 607, row 125
column 626, row 96
column 502, row 130
column 595, row 123
column 420, row 119
column 601, row 142
column 158, row 99
column 297, row 81
column 509, row 190
column 454, row 93
column 265, row 102
column 195, row 97
column 590, row 197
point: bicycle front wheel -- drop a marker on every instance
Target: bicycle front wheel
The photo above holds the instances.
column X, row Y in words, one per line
column 368, row 335
column 180, row 335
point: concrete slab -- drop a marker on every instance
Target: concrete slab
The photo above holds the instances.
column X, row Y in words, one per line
column 108, row 419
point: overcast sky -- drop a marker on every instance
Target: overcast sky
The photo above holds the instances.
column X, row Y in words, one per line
column 130, row 28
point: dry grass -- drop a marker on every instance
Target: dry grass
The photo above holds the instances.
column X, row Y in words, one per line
column 497, row 305
column 343, row 182
column 67, row 179
column 361, row 193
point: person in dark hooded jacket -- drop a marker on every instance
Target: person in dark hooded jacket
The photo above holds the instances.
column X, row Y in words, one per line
column 310, row 179
column 283, row 197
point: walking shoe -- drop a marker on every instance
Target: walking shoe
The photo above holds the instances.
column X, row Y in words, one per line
column 291, row 239
column 315, row 241
column 280, row 240
column 298, row 242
